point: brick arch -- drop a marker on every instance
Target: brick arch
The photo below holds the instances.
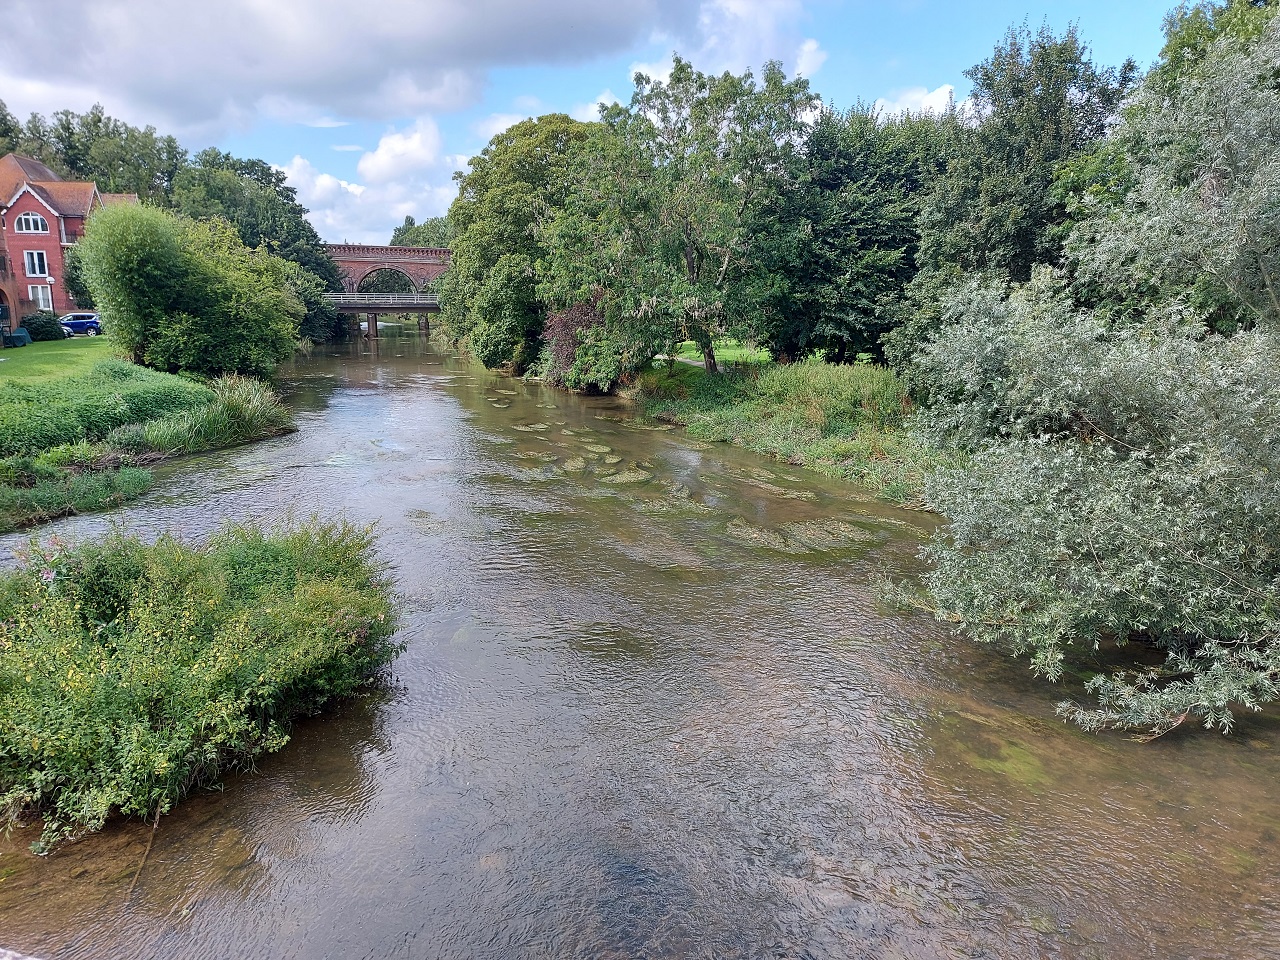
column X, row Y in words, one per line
column 374, row 269
column 357, row 260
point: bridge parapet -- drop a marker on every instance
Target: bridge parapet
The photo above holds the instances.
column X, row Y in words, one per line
column 384, row 302
column 357, row 260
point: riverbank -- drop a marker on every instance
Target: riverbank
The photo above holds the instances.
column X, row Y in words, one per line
column 79, row 429
column 845, row 421
column 134, row 672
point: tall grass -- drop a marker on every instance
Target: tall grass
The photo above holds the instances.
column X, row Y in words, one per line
column 157, row 419
column 242, row 410
column 38, row 414
column 846, row 421
column 131, row 673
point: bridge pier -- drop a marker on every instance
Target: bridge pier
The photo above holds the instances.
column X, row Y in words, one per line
column 373, row 327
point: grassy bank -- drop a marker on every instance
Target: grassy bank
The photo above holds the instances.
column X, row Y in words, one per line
column 81, row 439
column 132, row 673
column 845, row 421
column 53, row 359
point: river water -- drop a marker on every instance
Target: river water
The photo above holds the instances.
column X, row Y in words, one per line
column 650, row 707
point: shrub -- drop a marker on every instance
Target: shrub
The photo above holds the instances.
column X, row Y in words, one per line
column 44, row 326
column 1124, row 487
column 132, row 673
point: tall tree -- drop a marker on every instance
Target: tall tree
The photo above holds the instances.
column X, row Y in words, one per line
column 1200, row 224
column 94, row 146
column 432, row 232
column 1038, row 101
column 489, row 295
column 660, row 227
column 255, row 197
column 854, row 224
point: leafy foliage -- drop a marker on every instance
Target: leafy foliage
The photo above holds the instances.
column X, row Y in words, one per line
column 43, row 326
column 659, row 228
column 1121, row 488
column 184, row 295
column 1199, row 223
column 431, row 232
column 132, row 673
column 489, row 295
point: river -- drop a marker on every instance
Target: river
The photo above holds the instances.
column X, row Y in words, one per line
column 651, row 706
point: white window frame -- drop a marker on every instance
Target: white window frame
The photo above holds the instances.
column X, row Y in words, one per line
column 41, row 294
column 36, row 262
column 30, row 222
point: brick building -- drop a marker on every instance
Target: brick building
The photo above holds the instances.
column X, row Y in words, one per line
column 41, row 217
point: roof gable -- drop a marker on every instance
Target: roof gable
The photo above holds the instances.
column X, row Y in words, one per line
column 16, row 170
column 34, row 190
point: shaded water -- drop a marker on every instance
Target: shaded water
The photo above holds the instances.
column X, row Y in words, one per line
column 649, row 708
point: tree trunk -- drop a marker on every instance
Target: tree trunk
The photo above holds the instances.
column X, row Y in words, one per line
column 709, row 358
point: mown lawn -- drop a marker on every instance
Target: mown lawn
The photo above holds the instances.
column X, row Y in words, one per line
column 728, row 350
column 53, row 359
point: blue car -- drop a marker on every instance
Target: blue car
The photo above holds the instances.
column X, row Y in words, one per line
column 86, row 323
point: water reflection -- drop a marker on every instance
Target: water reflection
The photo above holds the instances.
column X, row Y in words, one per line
column 650, row 706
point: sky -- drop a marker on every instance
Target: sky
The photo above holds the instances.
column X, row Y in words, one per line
column 370, row 108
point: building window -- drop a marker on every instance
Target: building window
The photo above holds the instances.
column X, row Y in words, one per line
column 37, row 266
column 31, row 223
column 41, row 295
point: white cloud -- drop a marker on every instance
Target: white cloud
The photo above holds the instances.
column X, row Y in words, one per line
column 402, row 152
column 205, row 69
column 366, row 213
column 347, row 147
column 917, row 100
column 495, row 123
column 810, row 58
column 326, row 123
column 591, row 111
column 660, row 71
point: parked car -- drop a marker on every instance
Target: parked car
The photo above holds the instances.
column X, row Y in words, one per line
column 86, row 323
column 67, row 332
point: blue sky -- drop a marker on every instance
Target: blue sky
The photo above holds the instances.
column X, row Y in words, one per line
column 371, row 115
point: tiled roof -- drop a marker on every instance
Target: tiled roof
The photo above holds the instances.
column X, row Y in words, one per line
column 16, row 170
column 69, row 199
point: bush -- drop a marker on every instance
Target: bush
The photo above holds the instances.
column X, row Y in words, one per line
column 1123, row 488
column 43, row 326
column 133, row 673
column 181, row 295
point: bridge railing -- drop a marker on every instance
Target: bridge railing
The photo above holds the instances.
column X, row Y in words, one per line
column 383, row 299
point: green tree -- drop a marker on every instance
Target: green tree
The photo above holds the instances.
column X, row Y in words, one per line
column 254, row 197
column 519, row 178
column 1036, row 104
column 10, row 132
column 118, row 157
column 1193, row 29
column 1199, row 220
column 660, row 225
column 432, row 232
column 854, row 221
column 183, row 295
